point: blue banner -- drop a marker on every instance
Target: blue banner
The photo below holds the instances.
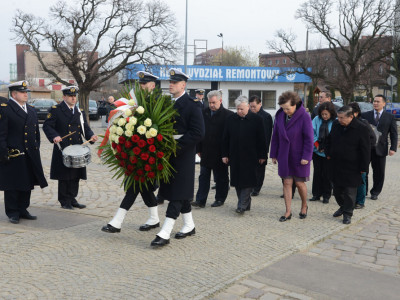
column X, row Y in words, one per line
column 222, row 73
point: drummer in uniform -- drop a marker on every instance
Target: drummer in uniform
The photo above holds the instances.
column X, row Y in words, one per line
column 20, row 164
column 64, row 119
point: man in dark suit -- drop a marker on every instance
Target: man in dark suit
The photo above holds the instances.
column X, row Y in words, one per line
column 386, row 125
column 189, row 125
column 63, row 119
column 209, row 149
column 20, row 164
column 256, row 107
column 348, row 153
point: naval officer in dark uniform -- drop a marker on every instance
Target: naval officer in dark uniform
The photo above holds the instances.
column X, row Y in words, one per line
column 63, row 119
column 200, row 97
column 190, row 128
column 20, row 164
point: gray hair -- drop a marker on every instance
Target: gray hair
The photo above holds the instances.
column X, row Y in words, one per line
column 241, row 99
column 214, row 93
column 347, row 110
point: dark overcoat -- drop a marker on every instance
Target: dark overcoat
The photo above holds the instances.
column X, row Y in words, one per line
column 293, row 141
column 388, row 127
column 244, row 144
column 268, row 124
column 60, row 122
column 211, row 145
column 190, row 125
column 348, row 150
column 20, row 130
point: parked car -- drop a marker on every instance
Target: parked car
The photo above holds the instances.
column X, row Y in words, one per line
column 338, row 99
column 42, row 107
column 365, row 106
column 394, row 109
column 93, row 110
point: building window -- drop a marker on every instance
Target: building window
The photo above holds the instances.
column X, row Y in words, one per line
column 232, row 96
column 277, row 62
column 334, row 72
column 284, row 61
column 270, row 62
column 268, row 98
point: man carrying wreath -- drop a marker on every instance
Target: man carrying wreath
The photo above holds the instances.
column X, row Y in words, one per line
column 180, row 188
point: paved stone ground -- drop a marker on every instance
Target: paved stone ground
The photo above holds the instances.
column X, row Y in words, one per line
column 64, row 255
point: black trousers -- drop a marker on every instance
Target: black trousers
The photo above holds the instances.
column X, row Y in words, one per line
column 175, row 208
column 16, row 203
column 321, row 185
column 345, row 198
column 130, row 196
column 378, row 164
column 67, row 191
column 260, row 177
column 221, row 178
column 244, row 198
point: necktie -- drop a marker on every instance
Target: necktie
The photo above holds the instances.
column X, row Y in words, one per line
column 24, row 108
column 377, row 118
column 72, row 110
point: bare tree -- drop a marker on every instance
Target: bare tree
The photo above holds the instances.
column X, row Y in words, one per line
column 96, row 39
column 234, row 56
column 351, row 29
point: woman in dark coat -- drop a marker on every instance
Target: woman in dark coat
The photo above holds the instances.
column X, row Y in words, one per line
column 244, row 147
column 292, row 147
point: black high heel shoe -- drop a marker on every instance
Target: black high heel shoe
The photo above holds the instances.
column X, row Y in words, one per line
column 284, row 219
column 303, row 216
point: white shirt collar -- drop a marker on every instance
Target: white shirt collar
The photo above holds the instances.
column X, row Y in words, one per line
column 179, row 96
column 73, row 108
column 380, row 112
column 22, row 106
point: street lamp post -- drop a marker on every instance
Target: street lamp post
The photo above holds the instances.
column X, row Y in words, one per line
column 222, row 51
column 185, row 54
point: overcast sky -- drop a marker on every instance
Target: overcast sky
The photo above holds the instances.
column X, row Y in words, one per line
column 248, row 23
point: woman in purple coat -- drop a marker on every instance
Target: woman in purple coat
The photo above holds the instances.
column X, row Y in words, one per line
column 292, row 148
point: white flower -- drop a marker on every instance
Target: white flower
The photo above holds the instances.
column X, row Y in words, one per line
column 132, row 102
column 141, row 129
column 147, row 122
column 116, row 140
column 111, row 138
column 153, row 132
column 132, row 120
column 128, row 133
column 148, row 135
column 121, row 122
column 120, row 130
column 140, row 110
column 128, row 113
column 129, row 127
column 113, row 129
column 115, row 121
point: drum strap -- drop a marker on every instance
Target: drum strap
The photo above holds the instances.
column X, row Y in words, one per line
column 81, row 119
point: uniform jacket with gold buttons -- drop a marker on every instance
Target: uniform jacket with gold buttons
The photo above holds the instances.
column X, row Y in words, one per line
column 60, row 122
column 20, row 131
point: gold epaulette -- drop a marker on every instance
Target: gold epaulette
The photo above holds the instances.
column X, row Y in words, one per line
column 4, row 104
column 54, row 106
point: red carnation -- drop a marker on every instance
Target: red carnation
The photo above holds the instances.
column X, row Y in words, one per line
column 136, row 150
column 127, row 120
column 140, row 172
column 133, row 159
column 159, row 137
column 124, row 155
column 152, row 148
column 142, row 179
column 150, row 141
column 144, row 156
column 151, row 175
column 160, row 167
column 142, row 143
column 147, row 168
column 118, row 157
column 114, row 145
column 130, row 168
column 160, row 154
column 121, row 140
column 135, row 138
column 128, row 173
column 128, row 144
column 152, row 160
column 119, row 148
column 122, row 163
column 136, row 178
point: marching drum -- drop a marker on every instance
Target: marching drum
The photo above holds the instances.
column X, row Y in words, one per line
column 76, row 156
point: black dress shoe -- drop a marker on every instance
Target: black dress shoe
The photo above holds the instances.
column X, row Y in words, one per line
column 240, row 211
column 284, row 219
column 147, row 227
column 254, row 194
column 338, row 213
column 217, row 203
column 325, row 200
column 281, row 196
column 303, row 216
column 197, row 204
column 374, row 197
column 78, row 205
column 181, row 235
column 359, row 206
column 214, row 187
column 110, row 229
column 159, row 242
column 14, row 220
column 67, row 206
column 314, row 198
column 346, row 219
column 28, row 216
